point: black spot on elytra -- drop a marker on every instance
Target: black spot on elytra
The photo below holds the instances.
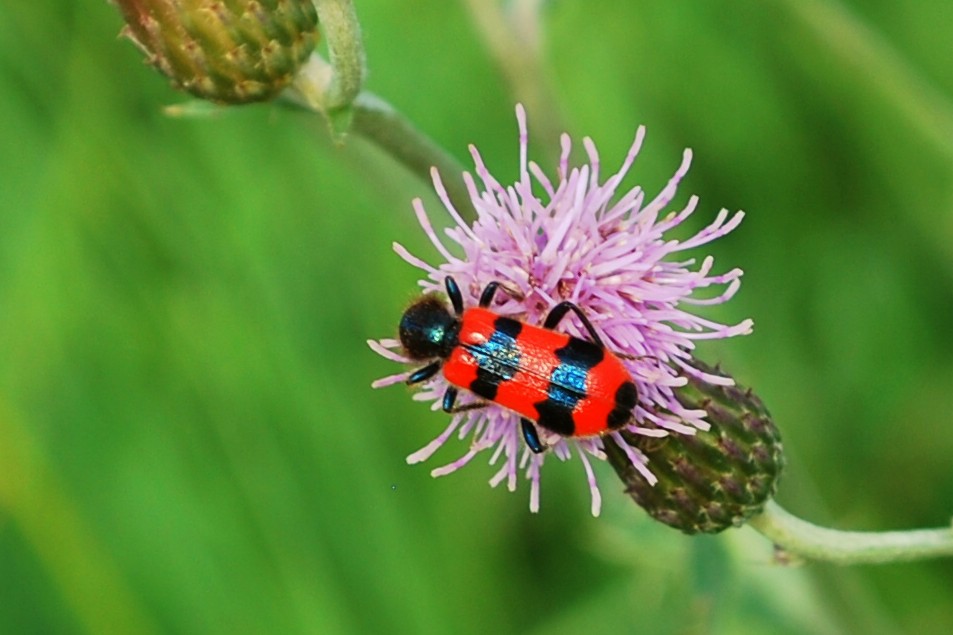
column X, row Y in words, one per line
column 625, row 399
column 567, row 385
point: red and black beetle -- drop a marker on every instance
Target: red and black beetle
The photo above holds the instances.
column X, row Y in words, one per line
column 565, row 384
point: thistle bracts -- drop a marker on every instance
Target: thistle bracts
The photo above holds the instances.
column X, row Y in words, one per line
column 229, row 51
column 714, row 479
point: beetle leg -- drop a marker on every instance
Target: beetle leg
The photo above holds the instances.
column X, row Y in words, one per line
column 636, row 358
column 453, row 292
column 531, row 436
column 476, row 405
column 425, row 373
column 486, row 298
column 450, row 400
column 559, row 311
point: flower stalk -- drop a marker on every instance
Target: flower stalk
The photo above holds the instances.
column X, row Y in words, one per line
column 811, row 542
column 378, row 122
column 333, row 88
column 333, row 85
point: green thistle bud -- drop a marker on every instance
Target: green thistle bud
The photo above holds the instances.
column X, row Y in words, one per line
column 711, row 480
column 230, row 51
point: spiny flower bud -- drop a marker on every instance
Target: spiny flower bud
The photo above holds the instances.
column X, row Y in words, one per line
column 714, row 479
column 230, row 51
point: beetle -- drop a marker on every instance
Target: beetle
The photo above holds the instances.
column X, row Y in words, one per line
column 567, row 385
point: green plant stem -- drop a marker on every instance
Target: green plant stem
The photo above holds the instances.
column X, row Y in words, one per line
column 376, row 120
column 333, row 88
column 380, row 123
column 333, row 85
column 339, row 24
column 811, row 542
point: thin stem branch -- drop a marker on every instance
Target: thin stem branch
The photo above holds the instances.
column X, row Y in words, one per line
column 335, row 84
column 333, row 88
column 377, row 121
column 811, row 542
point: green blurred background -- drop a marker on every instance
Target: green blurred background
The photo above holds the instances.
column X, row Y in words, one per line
column 188, row 440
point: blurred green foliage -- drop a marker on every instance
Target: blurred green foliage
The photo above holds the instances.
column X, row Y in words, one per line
column 188, row 440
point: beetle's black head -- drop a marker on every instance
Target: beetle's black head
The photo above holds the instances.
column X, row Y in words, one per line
column 428, row 330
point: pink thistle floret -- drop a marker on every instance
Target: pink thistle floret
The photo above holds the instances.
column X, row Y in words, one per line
column 575, row 239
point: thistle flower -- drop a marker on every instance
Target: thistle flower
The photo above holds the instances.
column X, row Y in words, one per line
column 231, row 52
column 574, row 238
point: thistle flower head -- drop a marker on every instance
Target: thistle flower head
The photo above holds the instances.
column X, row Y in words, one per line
column 577, row 237
column 229, row 51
